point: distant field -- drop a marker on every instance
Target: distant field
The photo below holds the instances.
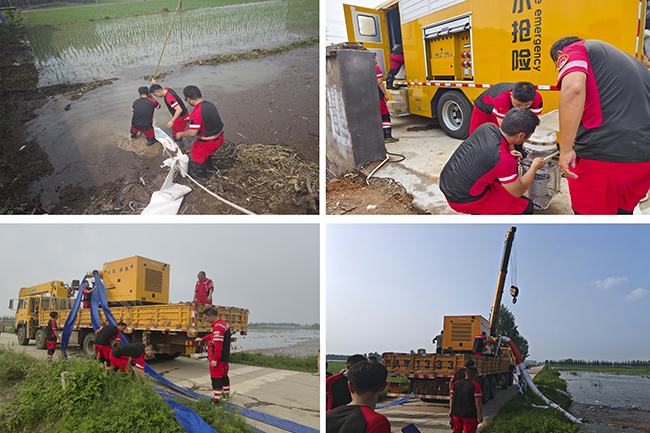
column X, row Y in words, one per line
column 112, row 9
column 641, row 371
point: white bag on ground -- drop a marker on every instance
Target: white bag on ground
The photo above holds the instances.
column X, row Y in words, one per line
column 168, row 200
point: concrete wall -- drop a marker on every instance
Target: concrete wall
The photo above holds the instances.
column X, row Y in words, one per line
column 354, row 133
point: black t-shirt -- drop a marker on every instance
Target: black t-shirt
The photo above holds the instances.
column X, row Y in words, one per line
column 340, row 393
column 465, row 391
column 106, row 335
column 143, row 109
column 205, row 118
column 172, row 96
column 49, row 332
column 492, row 92
column 355, row 419
column 134, row 350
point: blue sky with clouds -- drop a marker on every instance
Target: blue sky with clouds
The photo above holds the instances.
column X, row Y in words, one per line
column 584, row 288
column 270, row 269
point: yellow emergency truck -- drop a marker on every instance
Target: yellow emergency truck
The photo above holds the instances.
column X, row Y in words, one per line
column 455, row 49
column 137, row 290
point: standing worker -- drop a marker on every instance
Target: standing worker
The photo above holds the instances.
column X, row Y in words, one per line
column 122, row 355
column 104, row 342
column 175, row 105
column 337, row 392
column 466, row 403
column 86, row 294
column 206, row 126
column 396, row 62
column 203, row 289
column 383, row 97
column 492, row 105
column 218, row 354
column 604, row 128
column 51, row 335
column 142, row 121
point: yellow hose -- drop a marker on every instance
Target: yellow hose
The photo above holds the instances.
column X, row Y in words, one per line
column 168, row 33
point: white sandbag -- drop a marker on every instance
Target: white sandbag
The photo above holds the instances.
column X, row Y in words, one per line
column 168, row 200
column 182, row 161
column 165, row 140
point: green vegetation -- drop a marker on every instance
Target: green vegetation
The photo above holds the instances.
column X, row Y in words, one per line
column 639, row 371
column 14, row 22
column 519, row 416
column 507, row 327
column 308, row 364
column 116, row 402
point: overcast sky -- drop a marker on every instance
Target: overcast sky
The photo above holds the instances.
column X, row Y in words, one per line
column 335, row 20
column 584, row 289
column 270, row 269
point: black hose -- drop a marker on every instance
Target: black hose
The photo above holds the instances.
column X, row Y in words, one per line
column 395, row 154
column 119, row 205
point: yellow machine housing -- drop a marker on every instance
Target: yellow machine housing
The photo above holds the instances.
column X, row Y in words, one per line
column 136, row 280
column 459, row 332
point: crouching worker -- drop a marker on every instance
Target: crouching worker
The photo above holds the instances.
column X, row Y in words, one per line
column 175, row 105
column 206, row 126
column 51, row 335
column 481, row 176
column 142, row 121
column 121, row 356
column 365, row 381
column 218, row 354
column 104, row 342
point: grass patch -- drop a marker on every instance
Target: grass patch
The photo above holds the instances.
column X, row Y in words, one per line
column 308, row 364
column 218, row 417
column 43, row 17
column 518, row 415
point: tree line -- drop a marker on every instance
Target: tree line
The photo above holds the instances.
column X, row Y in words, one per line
column 32, row 3
column 597, row 363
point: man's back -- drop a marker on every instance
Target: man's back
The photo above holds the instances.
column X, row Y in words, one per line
column 465, row 391
column 337, row 392
column 356, row 419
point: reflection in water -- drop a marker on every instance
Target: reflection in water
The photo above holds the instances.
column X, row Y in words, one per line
column 608, row 389
column 105, row 49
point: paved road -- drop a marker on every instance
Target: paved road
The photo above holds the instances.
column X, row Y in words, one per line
column 434, row 417
column 284, row 394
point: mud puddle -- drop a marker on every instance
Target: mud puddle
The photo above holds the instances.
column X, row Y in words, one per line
column 268, row 101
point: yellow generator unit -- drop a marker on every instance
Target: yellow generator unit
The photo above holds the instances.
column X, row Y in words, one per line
column 136, row 281
column 459, row 332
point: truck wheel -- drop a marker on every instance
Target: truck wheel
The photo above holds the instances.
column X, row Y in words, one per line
column 23, row 340
column 493, row 387
column 485, row 390
column 41, row 342
column 511, row 376
column 504, row 381
column 454, row 114
column 89, row 345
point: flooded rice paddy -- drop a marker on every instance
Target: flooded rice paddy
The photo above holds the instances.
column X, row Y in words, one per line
column 608, row 389
column 266, row 338
column 101, row 49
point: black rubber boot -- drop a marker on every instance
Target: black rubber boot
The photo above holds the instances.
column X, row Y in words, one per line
column 150, row 141
column 133, row 134
column 208, row 163
column 198, row 171
column 389, row 82
column 388, row 138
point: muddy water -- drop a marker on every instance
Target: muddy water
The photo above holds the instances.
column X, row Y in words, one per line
column 608, row 389
column 104, row 49
column 265, row 338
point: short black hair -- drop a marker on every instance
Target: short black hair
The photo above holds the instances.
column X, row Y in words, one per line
column 367, row 376
column 192, row 92
column 143, row 90
column 53, row 314
column 153, row 347
column 155, row 88
column 469, row 363
column 210, row 312
column 121, row 324
column 519, row 120
column 354, row 359
column 524, row 91
column 471, row 372
column 561, row 44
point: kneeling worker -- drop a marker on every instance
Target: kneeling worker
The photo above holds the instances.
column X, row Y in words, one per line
column 481, row 176
column 121, row 355
column 142, row 120
column 104, row 342
column 206, row 126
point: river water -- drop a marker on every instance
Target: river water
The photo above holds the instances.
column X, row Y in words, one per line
column 608, row 389
column 267, row 338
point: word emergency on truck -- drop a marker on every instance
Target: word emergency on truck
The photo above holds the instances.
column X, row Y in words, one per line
column 430, row 375
column 456, row 49
column 137, row 290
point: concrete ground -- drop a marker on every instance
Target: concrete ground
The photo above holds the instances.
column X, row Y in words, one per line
column 427, row 149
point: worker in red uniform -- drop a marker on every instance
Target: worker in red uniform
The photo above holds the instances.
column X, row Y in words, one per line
column 121, row 356
column 366, row 380
column 51, row 335
column 492, row 105
column 86, row 295
column 396, row 62
column 206, row 126
column 383, row 97
column 336, row 386
column 142, row 121
column 203, row 289
column 481, row 177
column 466, row 403
column 104, row 342
column 180, row 115
column 218, row 354
column 604, row 128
